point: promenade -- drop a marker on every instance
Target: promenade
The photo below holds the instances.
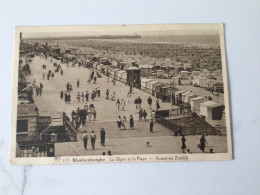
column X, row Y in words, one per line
column 117, row 141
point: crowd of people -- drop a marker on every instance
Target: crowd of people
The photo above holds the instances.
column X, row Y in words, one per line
column 80, row 116
column 93, row 137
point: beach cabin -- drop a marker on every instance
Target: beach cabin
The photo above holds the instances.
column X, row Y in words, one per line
column 211, row 110
column 219, row 79
column 176, row 80
column 103, row 67
column 146, row 70
column 106, row 71
column 143, row 83
column 211, row 83
column 189, row 97
column 185, row 82
column 195, row 73
column 170, row 68
column 217, row 74
column 164, row 68
column 147, row 82
column 150, row 85
column 160, row 73
column 163, row 88
column 124, row 76
column 202, row 82
column 195, row 103
column 184, row 95
column 95, row 65
column 204, row 107
column 178, row 66
column 99, row 67
column 110, row 71
column 103, row 60
column 163, row 91
column 178, row 95
column 215, row 112
column 184, row 74
column 120, row 74
column 155, row 85
column 113, row 73
column 187, row 67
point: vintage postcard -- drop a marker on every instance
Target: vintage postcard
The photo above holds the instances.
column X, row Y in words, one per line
column 120, row 93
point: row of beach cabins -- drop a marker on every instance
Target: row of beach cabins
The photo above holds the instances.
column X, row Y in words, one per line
column 200, row 105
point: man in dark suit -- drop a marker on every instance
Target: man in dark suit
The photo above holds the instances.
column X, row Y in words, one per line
column 102, row 136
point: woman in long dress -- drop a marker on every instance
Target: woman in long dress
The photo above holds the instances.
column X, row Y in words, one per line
column 124, row 122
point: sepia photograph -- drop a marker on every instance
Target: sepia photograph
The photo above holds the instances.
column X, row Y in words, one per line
column 120, row 93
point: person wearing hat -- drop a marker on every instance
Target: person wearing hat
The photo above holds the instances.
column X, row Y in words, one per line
column 102, row 136
column 203, row 142
column 93, row 139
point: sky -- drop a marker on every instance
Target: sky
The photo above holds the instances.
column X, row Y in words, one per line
column 143, row 30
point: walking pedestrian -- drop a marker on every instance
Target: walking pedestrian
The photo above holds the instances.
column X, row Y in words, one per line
column 124, row 123
column 98, row 92
column 153, row 115
column 82, row 96
column 128, row 97
column 157, row 104
column 69, row 98
column 85, row 139
column 102, row 136
column 151, row 125
column 107, row 94
column 144, row 115
column 114, row 96
column 150, row 101
column 118, row 104
column 66, row 97
column 37, row 90
column 78, row 83
column 140, row 102
column 123, row 104
column 136, row 103
column 78, row 97
column 203, row 142
column 40, row 91
column 93, row 139
column 119, row 122
column 87, row 96
column 92, row 95
column 131, row 120
column 183, row 145
column 94, row 114
column 140, row 114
